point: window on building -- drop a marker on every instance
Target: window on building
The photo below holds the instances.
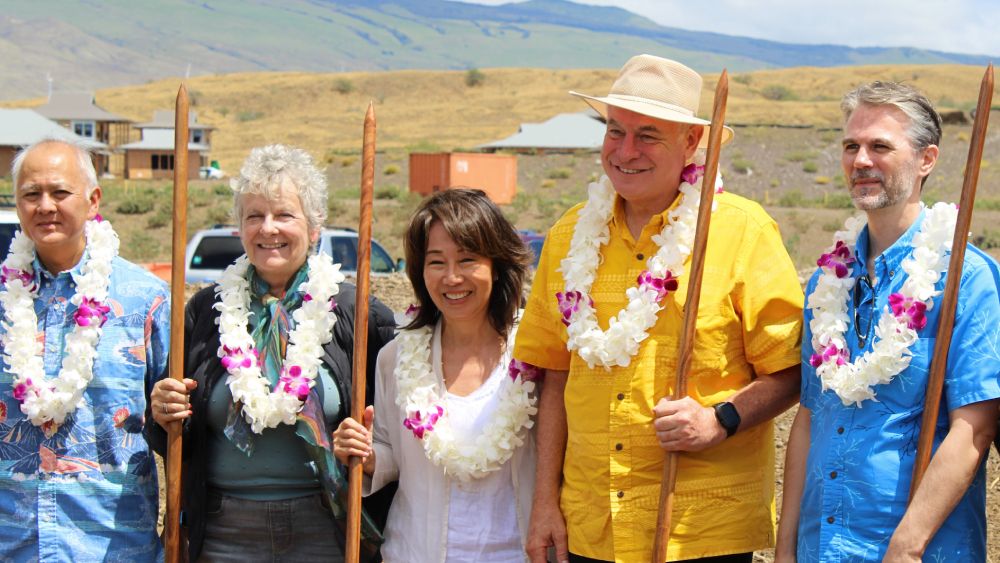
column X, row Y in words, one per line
column 84, row 129
column 197, row 135
column 163, row 162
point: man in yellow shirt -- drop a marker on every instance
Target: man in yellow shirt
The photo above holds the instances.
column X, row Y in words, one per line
column 604, row 423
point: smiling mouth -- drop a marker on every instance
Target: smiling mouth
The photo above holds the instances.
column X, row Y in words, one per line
column 272, row 246
column 624, row 170
column 455, row 296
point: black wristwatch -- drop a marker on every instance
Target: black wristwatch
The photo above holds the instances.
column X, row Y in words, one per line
column 728, row 417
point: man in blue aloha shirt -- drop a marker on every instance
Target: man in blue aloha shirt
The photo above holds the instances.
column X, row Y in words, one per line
column 850, row 460
column 83, row 489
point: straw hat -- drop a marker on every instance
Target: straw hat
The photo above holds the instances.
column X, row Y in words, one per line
column 659, row 88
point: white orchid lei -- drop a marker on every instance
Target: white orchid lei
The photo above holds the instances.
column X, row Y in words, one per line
column 420, row 397
column 314, row 320
column 617, row 345
column 51, row 400
column 902, row 318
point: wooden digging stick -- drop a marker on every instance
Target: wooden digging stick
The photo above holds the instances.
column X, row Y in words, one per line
column 174, row 450
column 691, row 307
column 361, row 331
column 946, row 318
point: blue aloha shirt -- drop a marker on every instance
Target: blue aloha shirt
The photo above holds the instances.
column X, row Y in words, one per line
column 86, row 490
column 861, row 458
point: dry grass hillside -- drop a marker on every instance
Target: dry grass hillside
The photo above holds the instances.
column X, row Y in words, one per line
column 438, row 110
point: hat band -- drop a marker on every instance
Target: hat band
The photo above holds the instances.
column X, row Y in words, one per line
column 671, row 107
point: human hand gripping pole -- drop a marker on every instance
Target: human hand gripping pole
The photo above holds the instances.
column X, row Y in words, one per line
column 174, row 429
column 355, row 469
column 946, row 318
column 691, row 307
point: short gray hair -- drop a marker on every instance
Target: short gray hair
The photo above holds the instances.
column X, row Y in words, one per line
column 925, row 123
column 267, row 167
column 84, row 160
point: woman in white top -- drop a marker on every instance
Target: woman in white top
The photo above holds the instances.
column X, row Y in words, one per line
column 452, row 417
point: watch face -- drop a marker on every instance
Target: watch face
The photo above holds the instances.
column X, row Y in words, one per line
column 728, row 417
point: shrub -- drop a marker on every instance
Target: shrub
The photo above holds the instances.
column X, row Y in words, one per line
column 160, row 219
column 839, row 200
column 777, row 92
column 222, row 189
column 744, row 79
column 348, row 161
column 245, row 116
column 741, row 165
column 800, row 156
column 548, row 183
column 559, row 173
column 775, row 182
column 988, row 240
column 387, row 192
column 390, row 170
column 343, row 86
column 136, row 205
column 474, row 77
column 822, row 180
column 791, row 198
column 809, row 167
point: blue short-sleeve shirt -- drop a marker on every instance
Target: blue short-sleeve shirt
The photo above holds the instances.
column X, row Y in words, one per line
column 86, row 490
column 861, row 459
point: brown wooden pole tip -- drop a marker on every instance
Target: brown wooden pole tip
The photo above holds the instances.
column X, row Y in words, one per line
column 946, row 317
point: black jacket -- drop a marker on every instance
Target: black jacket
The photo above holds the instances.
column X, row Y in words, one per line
column 201, row 361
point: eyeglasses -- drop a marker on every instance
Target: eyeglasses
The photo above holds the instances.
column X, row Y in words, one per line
column 864, row 305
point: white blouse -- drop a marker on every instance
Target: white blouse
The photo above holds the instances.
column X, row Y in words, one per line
column 419, row 528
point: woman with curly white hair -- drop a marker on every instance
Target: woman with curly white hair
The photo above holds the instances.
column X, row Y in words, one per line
column 268, row 354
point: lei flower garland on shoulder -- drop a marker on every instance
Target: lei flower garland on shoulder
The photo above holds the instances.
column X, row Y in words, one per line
column 51, row 400
column 900, row 321
column 314, row 320
column 626, row 330
column 421, row 398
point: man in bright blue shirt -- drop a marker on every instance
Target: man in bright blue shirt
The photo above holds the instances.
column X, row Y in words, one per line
column 83, row 489
column 850, row 461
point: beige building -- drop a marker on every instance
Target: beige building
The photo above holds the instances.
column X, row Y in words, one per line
column 152, row 157
column 22, row 127
column 77, row 112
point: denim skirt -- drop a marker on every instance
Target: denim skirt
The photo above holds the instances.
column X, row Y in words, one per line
column 299, row 529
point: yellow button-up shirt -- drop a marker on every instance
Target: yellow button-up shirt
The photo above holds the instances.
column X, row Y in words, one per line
column 749, row 325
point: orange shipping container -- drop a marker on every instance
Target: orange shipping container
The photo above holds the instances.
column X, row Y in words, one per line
column 495, row 174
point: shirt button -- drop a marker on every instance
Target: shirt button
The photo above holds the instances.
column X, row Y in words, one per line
column 621, row 494
column 619, row 446
column 840, row 430
column 830, row 520
column 621, row 396
column 639, row 256
column 833, row 474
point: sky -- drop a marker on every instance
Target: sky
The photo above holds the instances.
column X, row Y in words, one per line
column 959, row 26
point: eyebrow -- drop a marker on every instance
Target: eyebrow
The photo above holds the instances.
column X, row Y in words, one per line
column 876, row 140
column 641, row 129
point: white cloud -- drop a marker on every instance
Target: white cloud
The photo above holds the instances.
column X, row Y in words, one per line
column 961, row 26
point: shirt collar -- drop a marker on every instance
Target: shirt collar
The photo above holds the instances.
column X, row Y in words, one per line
column 656, row 222
column 75, row 273
column 891, row 259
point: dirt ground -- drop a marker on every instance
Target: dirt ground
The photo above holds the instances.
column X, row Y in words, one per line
column 395, row 291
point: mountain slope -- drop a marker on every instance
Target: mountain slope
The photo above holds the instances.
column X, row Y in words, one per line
column 101, row 43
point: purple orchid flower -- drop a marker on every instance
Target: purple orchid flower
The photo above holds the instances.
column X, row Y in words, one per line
column 21, row 390
column 837, row 259
column 909, row 310
column 692, row 173
column 662, row 286
column 528, row 372
column 13, row 273
column 419, row 426
column 236, row 358
column 91, row 313
column 831, row 351
column 569, row 303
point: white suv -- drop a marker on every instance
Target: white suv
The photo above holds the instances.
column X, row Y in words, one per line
column 8, row 226
column 212, row 250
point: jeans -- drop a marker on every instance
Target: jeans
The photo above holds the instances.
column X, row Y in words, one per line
column 297, row 530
